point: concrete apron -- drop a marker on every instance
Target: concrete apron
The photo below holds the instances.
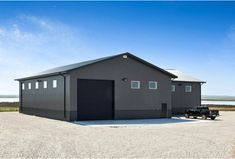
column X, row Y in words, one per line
column 140, row 122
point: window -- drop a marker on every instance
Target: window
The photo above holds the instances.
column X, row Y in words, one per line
column 44, row 84
column 152, row 85
column 173, row 88
column 22, row 86
column 29, row 85
column 188, row 88
column 36, row 85
column 135, row 84
column 54, row 83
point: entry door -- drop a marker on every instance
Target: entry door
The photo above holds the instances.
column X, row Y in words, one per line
column 95, row 99
column 164, row 110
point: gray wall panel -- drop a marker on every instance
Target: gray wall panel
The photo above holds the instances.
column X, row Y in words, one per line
column 126, row 98
column 54, row 114
column 50, row 99
column 182, row 100
column 140, row 114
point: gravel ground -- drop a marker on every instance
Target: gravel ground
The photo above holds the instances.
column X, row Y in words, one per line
column 27, row 136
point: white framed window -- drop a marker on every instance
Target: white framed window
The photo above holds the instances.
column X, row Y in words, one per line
column 54, row 83
column 22, row 86
column 36, row 85
column 188, row 88
column 29, row 85
column 44, row 84
column 173, row 88
column 152, row 84
column 135, row 84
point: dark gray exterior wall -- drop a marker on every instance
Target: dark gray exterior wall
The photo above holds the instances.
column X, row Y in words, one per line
column 20, row 97
column 129, row 103
column 46, row 102
column 182, row 100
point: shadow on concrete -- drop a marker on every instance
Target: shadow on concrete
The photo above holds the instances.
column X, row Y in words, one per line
column 136, row 122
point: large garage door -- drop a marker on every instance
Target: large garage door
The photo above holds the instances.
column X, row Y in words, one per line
column 95, row 99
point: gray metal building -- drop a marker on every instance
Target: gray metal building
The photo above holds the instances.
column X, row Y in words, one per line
column 186, row 91
column 117, row 87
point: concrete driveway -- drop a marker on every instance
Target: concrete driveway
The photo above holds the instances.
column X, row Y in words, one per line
column 34, row 137
column 139, row 122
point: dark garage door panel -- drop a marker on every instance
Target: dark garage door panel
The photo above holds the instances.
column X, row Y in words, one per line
column 95, row 99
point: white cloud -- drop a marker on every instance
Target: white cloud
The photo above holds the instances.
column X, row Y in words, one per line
column 32, row 44
column 43, row 23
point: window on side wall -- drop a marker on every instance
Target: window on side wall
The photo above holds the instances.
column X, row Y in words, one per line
column 188, row 88
column 22, row 86
column 152, row 85
column 44, row 84
column 54, row 83
column 36, row 85
column 135, row 84
column 29, row 85
column 173, row 88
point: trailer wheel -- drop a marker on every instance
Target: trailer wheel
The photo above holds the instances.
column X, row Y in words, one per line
column 204, row 117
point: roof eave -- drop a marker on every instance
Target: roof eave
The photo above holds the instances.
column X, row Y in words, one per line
column 189, row 81
column 57, row 73
column 153, row 66
column 41, row 76
column 127, row 53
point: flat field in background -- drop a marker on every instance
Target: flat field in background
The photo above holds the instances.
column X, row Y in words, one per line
column 222, row 107
column 9, row 106
column 218, row 98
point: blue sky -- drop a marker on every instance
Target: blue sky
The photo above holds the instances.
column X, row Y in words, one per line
column 195, row 37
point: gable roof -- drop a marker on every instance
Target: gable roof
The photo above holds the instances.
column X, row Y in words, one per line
column 67, row 68
column 182, row 77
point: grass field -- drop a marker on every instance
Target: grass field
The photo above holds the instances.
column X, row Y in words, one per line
column 9, row 109
column 14, row 106
column 9, row 106
column 218, row 98
column 221, row 107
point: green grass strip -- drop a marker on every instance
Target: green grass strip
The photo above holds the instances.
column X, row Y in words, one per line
column 9, row 109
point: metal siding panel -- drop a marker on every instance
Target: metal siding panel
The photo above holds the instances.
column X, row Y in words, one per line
column 182, row 100
column 127, row 99
column 47, row 102
column 20, row 97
